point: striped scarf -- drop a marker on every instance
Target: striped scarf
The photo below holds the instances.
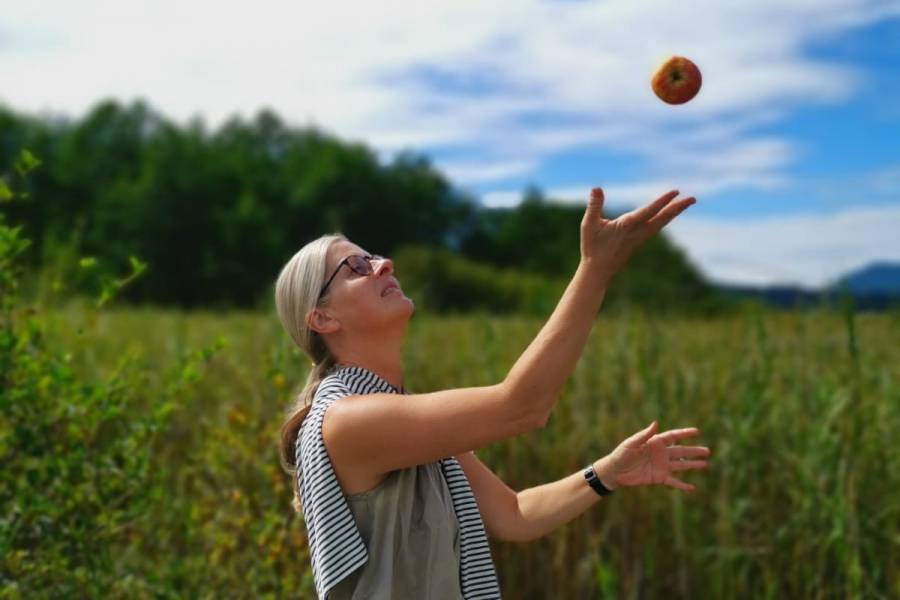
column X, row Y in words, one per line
column 336, row 547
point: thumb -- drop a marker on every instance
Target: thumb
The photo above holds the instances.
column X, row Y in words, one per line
column 595, row 204
column 640, row 438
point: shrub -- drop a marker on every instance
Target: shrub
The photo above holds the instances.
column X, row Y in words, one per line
column 77, row 481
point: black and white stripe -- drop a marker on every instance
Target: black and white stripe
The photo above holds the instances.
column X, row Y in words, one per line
column 336, row 548
column 476, row 572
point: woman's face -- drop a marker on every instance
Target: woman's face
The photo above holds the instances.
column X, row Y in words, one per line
column 363, row 302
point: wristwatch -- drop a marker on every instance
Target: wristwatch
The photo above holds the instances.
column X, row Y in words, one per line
column 591, row 477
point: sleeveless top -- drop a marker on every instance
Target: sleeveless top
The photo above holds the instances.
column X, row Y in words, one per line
column 416, row 551
column 413, row 542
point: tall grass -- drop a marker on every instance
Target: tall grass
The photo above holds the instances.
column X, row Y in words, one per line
column 801, row 411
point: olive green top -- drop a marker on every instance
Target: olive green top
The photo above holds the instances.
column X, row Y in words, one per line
column 411, row 532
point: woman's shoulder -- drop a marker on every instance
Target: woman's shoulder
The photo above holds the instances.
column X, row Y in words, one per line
column 330, row 389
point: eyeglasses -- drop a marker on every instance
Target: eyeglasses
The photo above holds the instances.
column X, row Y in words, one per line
column 358, row 264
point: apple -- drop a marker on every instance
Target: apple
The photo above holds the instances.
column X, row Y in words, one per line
column 676, row 81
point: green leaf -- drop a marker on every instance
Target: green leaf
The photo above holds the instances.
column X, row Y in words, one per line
column 108, row 290
column 88, row 262
column 105, row 294
column 137, row 267
column 26, row 162
column 5, row 194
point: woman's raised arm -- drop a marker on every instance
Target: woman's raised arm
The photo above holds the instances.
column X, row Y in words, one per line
column 377, row 433
column 606, row 245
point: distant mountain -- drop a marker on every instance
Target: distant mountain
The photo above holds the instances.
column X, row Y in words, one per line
column 873, row 287
column 877, row 278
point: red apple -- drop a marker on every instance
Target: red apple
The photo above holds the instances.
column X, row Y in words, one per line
column 676, row 81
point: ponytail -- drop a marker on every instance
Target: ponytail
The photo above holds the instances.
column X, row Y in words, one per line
column 297, row 292
column 295, row 416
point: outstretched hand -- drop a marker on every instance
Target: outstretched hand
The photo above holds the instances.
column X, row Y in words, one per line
column 650, row 458
column 607, row 244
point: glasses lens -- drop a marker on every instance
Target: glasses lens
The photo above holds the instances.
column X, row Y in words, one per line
column 359, row 264
column 362, row 264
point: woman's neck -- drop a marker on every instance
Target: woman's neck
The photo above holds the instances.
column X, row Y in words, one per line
column 391, row 372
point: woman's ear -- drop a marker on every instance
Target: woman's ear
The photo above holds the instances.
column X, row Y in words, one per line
column 320, row 321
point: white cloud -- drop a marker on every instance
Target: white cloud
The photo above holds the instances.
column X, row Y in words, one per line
column 529, row 80
column 503, row 199
column 802, row 249
column 473, row 172
column 743, row 168
column 356, row 69
column 809, row 249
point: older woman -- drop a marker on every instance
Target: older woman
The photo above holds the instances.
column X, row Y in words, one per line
column 395, row 501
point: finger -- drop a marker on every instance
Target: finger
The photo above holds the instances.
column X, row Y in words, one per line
column 644, row 213
column 678, row 484
column 673, row 435
column 595, row 204
column 688, row 451
column 684, row 465
column 665, row 216
column 641, row 437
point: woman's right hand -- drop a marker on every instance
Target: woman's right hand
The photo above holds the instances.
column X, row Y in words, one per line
column 606, row 245
column 648, row 458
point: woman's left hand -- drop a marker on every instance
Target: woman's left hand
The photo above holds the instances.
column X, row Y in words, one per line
column 650, row 458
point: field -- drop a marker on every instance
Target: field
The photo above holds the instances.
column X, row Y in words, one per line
column 801, row 411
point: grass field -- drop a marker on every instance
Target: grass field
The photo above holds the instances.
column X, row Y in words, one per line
column 801, row 411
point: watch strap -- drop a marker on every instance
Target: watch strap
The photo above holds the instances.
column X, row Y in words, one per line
column 591, row 477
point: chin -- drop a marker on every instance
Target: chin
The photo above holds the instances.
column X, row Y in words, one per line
column 411, row 305
column 401, row 309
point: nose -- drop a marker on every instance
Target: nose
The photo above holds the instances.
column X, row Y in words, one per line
column 382, row 264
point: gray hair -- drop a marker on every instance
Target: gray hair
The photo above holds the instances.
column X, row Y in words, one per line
column 296, row 293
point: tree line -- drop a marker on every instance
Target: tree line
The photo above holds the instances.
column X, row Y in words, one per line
column 216, row 213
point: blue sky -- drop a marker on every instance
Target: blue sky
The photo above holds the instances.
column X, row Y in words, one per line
column 791, row 147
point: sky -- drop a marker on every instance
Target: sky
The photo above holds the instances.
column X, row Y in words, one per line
column 792, row 146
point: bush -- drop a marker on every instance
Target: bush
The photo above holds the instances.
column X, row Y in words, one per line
column 77, row 483
column 441, row 281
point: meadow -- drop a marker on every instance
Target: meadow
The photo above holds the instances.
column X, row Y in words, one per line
column 801, row 411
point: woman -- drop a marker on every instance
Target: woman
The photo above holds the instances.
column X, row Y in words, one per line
column 395, row 501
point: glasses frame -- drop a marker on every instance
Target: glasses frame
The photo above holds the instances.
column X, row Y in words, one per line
column 368, row 258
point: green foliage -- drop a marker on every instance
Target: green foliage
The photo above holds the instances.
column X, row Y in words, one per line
column 11, row 246
column 25, row 163
column 442, row 281
column 659, row 279
column 216, row 214
column 22, row 165
column 77, row 484
column 111, row 286
column 134, row 467
column 800, row 500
